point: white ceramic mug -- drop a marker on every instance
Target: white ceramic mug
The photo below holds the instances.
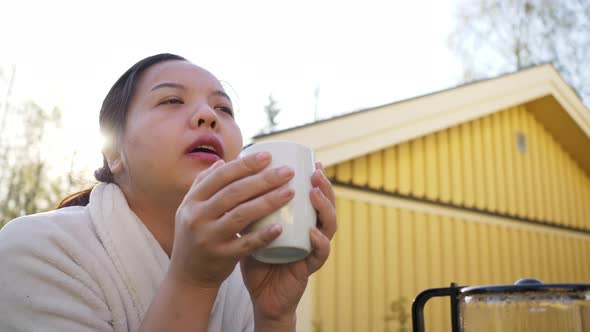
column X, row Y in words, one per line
column 296, row 217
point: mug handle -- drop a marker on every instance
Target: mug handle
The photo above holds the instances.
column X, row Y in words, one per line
column 424, row 296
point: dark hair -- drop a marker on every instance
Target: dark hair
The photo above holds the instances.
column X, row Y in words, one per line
column 113, row 117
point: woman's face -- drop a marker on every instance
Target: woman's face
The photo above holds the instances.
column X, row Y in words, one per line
column 180, row 121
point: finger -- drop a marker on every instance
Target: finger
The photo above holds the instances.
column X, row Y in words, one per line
column 320, row 250
column 237, row 219
column 326, row 212
column 248, row 243
column 208, row 171
column 246, row 189
column 320, row 180
column 230, row 172
column 320, row 166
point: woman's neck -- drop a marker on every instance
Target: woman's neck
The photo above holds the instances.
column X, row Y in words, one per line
column 157, row 214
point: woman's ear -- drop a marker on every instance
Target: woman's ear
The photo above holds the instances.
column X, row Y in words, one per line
column 116, row 165
column 113, row 156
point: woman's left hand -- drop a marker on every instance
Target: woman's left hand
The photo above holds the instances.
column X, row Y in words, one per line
column 276, row 289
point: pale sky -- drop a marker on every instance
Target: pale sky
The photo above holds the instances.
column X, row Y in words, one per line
column 359, row 53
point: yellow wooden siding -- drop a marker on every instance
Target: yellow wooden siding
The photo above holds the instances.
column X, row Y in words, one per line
column 468, row 169
column 500, row 169
column 432, row 166
column 508, row 147
column 360, row 273
column 457, row 192
column 444, row 171
column 491, row 189
column 478, row 165
column 376, row 169
column 418, row 174
column 403, row 168
column 517, row 158
column 378, row 299
column 389, row 163
column 384, row 253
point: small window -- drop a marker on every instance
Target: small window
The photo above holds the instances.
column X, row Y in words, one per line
column 521, row 143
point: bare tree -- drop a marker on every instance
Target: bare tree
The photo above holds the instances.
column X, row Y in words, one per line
column 272, row 111
column 26, row 185
column 497, row 36
column 316, row 102
column 5, row 104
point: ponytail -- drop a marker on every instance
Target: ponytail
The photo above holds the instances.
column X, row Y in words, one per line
column 82, row 198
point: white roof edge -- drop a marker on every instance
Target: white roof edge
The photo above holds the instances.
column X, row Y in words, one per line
column 347, row 137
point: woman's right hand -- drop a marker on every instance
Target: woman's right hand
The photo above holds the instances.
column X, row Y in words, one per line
column 222, row 201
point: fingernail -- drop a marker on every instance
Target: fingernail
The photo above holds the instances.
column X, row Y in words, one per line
column 276, row 228
column 316, row 191
column 286, row 192
column 315, row 231
column 217, row 163
column 285, row 172
column 262, row 156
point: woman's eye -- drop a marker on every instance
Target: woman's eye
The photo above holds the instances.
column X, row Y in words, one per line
column 225, row 109
column 170, row 101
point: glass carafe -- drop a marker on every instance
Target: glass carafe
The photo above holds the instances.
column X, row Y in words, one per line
column 528, row 305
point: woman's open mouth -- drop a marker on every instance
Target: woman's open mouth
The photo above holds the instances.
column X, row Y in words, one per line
column 206, row 148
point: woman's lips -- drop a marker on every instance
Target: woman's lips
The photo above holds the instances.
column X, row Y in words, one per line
column 206, row 148
column 206, row 157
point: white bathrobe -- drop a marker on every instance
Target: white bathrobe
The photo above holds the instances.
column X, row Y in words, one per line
column 93, row 268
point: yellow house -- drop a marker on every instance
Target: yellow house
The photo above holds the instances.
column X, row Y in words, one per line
column 481, row 184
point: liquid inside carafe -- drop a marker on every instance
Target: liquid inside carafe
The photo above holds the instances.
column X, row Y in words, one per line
column 520, row 312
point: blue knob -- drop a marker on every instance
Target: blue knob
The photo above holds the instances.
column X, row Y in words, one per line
column 528, row 281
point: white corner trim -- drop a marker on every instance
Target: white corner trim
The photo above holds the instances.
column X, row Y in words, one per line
column 409, row 127
column 356, row 134
column 572, row 105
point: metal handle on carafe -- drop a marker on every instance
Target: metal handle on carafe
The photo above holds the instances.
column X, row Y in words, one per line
column 424, row 296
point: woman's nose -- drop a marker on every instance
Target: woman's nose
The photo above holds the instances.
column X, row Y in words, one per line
column 204, row 118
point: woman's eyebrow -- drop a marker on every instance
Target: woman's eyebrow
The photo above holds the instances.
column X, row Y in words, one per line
column 221, row 93
column 168, row 85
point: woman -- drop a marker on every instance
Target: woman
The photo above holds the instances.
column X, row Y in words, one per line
column 153, row 246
